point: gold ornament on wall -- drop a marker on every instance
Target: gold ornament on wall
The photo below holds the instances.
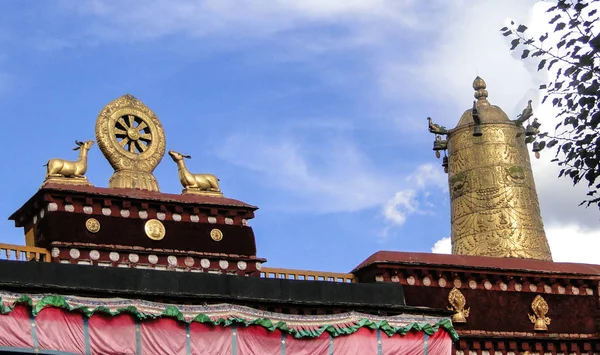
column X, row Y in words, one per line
column 154, row 229
column 132, row 139
column 216, row 235
column 92, row 225
column 538, row 318
column 458, row 302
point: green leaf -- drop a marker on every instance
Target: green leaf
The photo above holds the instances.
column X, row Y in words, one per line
column 559, row 26
column 525, row 54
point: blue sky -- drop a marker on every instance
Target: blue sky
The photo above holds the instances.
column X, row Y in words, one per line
column 312, row 110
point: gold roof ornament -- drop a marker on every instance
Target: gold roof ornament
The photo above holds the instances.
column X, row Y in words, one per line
column 68, row 172
column 132, row 139
column 457, row 304
column 199, row 184
column 538, row 318
column 494, row 205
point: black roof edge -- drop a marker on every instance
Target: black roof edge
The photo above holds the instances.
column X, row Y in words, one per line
column 94, row 281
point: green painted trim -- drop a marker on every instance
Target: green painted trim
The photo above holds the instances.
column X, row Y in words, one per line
column 173, row 312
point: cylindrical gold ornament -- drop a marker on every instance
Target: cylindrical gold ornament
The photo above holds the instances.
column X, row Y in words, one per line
column 494, row 204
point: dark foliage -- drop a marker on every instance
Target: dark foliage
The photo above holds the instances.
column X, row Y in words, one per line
column 575, row 90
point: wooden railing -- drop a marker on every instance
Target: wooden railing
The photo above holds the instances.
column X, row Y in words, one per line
column 23, row 253
column 290, row 274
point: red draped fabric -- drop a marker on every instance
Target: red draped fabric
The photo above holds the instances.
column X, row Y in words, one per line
column 440, row 343
column 308, row 346
column 258, row 341
column 15, row 329
column 66, row 332
column 57, row 329
column 210, row 340
column 412, row 343
column 364, row 341
column 163, row 336
column 112, row 335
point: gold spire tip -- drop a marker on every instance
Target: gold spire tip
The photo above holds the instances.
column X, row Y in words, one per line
column 479, row 86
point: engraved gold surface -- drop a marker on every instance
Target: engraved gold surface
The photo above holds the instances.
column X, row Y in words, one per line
column 92, row 225
column 133, row 141
column 494, row 205
column 154, row 229
column 457, row 304
column 216, row 235
column 538, row 318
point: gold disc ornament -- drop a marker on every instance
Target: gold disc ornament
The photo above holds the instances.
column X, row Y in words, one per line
column 155, row 230
column 92, row 225
column 216, row 235
column 132, row 139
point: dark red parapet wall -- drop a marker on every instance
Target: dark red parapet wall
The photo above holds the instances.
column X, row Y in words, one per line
column 201, row 233
column 499, row 293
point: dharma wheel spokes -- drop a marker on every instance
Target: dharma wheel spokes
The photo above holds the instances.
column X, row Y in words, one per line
column 133, row 133
column 132, row 139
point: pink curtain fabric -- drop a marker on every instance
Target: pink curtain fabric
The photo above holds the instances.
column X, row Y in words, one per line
column 210, row 340
column 71, row 333
column 440, row 343
column 15, row 329
column 364, row 341
column 163, row 336
column 308, row 346
column 258, row 341
column 112, row 335
column 412, row 343
column 60, row 330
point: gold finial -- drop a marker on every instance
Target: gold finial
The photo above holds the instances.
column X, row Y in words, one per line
column 539, row 319
column 458, row 302
column 479, row 86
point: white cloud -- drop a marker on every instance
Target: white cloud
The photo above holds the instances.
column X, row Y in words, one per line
column 329, row 176
column 442, row 246
column 112, row 20
column 414, row 197
column 572, row 243
column 400, row 206
column 568, row 244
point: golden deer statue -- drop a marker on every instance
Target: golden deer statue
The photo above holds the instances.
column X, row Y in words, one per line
column 70, row 172
column 202, row 184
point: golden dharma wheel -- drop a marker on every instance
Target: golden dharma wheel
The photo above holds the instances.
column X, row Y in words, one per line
column 132, row 139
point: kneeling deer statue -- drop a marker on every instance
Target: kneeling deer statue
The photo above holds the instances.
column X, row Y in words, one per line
column 194, row 183
column 71, row 169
